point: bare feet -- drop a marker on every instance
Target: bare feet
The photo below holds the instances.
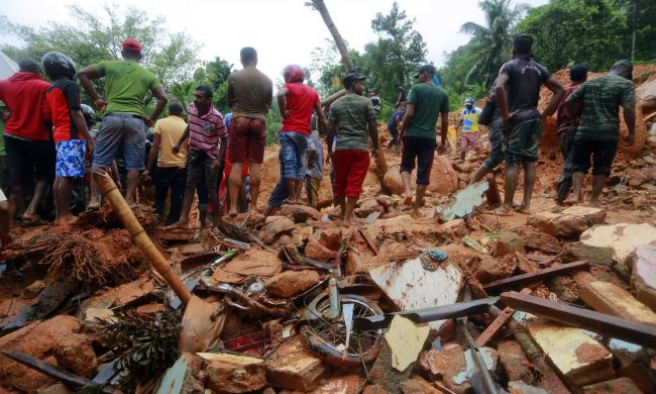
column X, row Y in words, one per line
column 407, row 200
column 503, row 210
column 573, row 201
column 416, row 213
column 65, row 220
column 93, row 205
column 523, row 209
column 233, row 213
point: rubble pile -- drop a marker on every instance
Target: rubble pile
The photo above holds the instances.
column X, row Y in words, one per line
column 459, row 300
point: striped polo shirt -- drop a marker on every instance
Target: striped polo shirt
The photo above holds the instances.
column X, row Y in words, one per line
column 205, row 132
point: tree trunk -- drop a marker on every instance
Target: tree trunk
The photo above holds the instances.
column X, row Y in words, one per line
column 320, row 6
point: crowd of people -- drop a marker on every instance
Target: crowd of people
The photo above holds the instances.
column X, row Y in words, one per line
column 51, row 142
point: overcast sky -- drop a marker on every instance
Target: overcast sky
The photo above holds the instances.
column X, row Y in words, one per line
column 283, row 31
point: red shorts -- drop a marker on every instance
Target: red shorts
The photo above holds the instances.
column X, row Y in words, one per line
column 247, row 140
column 351, row 167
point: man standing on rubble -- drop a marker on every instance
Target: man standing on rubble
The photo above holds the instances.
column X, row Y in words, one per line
column 599, row 130
column 567, row 122
column 124, row 121
column 296, row 102
column 518, row 92
column 250, row 93
column 352, row 118
column 30, row 152
column 426, row 102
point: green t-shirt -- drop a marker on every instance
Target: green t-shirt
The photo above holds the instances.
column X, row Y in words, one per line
column 126, row 85
column 429, row 101
column 602, row 98
column 350, row 114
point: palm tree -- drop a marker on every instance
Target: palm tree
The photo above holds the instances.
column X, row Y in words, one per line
column 493, row 42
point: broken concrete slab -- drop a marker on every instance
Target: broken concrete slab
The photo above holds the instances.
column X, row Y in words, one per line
column 538, row 240
column 623, row 238
column 464, row 203
column 643, row 277
column 292, row 366
column 508, row 243
column 117, row 296
column 607, row 298
column 580, row 359
column 367, row 207
column 230, row 373
column 615, row 386
column 410, row 286
column 405, row 340
column 291, row 283
column 571, row 221
column 337, row 384
column 576, row 251
column 491, row 269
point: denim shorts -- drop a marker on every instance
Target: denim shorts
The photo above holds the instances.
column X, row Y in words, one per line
column 293, row 154
column 122, row 132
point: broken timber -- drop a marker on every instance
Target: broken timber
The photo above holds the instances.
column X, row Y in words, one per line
column 426, row 315
column 641, row 334
column 524, row 279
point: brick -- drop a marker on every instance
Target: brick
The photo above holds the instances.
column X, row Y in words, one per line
column 615, row 386
column 293, row 367
column 580, row 359
column 607, row 298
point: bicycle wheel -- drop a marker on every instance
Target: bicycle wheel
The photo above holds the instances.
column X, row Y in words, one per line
column 327, row 339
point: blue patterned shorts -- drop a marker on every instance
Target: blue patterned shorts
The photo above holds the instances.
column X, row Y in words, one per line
column 70, row 159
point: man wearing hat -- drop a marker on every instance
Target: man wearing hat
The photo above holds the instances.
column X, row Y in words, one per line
column 468, row 127
column 426, row 102
column 124, row 120
column 599, row 130
column 352, row 118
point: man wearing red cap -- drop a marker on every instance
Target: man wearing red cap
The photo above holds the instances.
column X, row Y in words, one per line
column 124, row 120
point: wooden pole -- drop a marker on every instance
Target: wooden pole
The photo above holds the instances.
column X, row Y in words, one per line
column 139, row 236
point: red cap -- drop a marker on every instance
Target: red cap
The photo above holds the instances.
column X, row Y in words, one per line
column 132, row 44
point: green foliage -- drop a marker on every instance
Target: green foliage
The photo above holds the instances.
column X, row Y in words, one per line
column 91, row 39
column 643, row 22
column 457, row 95
column 399, row 51
column 492, row 43
column 567, row 32
column 213, row 74
column 455, row 72
column 145, row 345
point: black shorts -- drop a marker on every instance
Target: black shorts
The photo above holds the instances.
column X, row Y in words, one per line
column 421, row 149
column 30, row 158
column 602, row 152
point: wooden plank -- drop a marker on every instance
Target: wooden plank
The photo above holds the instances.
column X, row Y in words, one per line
column 69, row 379
column 524, row 279
column 641, row 334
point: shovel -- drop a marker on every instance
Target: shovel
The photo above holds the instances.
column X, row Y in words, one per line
column 202, row 322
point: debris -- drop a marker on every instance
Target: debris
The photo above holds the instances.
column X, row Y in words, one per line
column 607, row 298
column 571, row 221
column 494, row 327
column 300, row 213
column 576, row 251
column 579, row 358
column 514, row 362
column 180, row 379
column 619, row 385
column 508, row 242
column 538, row 240
column 275, row 227
column 522, row 280
column 623, row 238
column 491, row 269
column 472, row 243
column 447, row 364
column 291, row 283
column 292, row 366
column 519, row 387
column 410, row 286
column 229, row 373
column 643, row 278
column 405, row 340
column 253, row 263
column 465, row 202
column 339, row 384
column 317, row 251
column 616, row 327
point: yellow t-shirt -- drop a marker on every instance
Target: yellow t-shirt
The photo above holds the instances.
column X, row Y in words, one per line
column 170, row 129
